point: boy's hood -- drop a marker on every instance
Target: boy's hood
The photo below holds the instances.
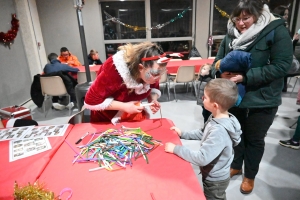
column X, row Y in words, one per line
column 232, row 126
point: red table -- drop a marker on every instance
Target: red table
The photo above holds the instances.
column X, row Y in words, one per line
column 92, row 68
column 173, row 66
column 165, row 177
column 26, row 169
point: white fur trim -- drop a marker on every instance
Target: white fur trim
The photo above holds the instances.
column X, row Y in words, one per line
column 124, row 72
column 116, row 118
column 163, row 60
column 101, row 106
column 156, row 91
column 10, row 123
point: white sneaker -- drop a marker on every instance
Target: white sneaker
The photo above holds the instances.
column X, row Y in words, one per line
column 58, row 106
column 70, row 105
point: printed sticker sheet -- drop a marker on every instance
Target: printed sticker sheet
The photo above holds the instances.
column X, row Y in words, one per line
column 27, row 147
column 29, row 132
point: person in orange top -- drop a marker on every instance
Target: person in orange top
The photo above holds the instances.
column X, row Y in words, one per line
column 67, row 58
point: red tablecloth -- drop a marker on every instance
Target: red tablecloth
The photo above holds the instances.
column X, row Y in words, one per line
column 82, row 69
column 92, row 68
column 26, row 169
column 173, row 66
column 165, row 177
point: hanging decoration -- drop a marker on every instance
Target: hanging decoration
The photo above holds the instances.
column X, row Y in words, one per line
column 210, row 41
column 8, row 38
column 138, row 28
column 33, row 191
column 115, row 20
column 223, row 13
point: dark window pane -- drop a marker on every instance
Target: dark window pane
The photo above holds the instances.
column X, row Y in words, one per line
column 182, row 47
column 215, row 47
column 131, row 13
column 220, row 22
column 177, row 14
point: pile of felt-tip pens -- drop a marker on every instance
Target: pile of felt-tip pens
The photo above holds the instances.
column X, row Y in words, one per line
column 113, row 149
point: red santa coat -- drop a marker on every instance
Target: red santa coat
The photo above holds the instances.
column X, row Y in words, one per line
column 114, row 82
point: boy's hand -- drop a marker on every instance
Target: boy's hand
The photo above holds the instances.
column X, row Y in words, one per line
column 169, row 147
column 155, row 107
column 177, row 130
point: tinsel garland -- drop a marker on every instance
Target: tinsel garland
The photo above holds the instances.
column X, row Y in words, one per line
column 223, row 13
column 8, row 38
column 138, row 28
column 33, row 191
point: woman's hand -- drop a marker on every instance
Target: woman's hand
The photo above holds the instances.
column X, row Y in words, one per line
column 155, row 107
column 229, row 75
column 169, row 147
column 133, row 107
column 177, row 130
column 233, row 76
column 237, row 78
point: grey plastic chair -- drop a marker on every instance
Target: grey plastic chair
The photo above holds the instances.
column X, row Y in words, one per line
column 81, row 76
column 53, row 86
column 164, row 81
column 186, row 75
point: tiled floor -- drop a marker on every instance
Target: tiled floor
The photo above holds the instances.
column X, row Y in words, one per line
column 279, row 174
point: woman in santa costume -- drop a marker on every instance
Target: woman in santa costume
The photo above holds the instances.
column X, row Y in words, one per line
column 126, row 78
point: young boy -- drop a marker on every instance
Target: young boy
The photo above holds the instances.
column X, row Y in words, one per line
column 220, row 134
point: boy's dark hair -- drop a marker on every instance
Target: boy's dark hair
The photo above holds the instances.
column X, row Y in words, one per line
column 222, row 91
column 64, row 49
column 52, row 56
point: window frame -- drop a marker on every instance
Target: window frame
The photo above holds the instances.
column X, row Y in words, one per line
column 148, row 24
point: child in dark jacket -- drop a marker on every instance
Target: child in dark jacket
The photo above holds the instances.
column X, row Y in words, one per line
column 236, row 61
column 218, row 137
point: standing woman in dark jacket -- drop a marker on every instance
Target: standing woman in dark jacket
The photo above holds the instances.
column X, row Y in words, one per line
column 249, row 26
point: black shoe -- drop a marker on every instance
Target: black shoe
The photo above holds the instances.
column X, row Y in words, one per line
column 290, row 143
column 298, row 110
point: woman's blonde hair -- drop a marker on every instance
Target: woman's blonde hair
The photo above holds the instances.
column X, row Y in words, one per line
column 93, row 52
column 133, row 53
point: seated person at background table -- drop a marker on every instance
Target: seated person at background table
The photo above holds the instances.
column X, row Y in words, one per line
column 67, row 58
column 219, row 135
column 56, row 66
column 93, row 58
column 294, row 141
column 124, row 79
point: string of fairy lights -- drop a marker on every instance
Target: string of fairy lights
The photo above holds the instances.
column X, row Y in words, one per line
column 138, row 28
column 159, row 26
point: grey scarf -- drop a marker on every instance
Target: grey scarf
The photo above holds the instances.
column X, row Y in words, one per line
column 242, row 41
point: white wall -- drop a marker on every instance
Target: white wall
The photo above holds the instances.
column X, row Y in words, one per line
column 60, row 26
column 202, row 26
column 15, row 77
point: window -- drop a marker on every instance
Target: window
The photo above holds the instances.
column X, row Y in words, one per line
column 176, row 14
column 123, row 20
column 168, row 23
